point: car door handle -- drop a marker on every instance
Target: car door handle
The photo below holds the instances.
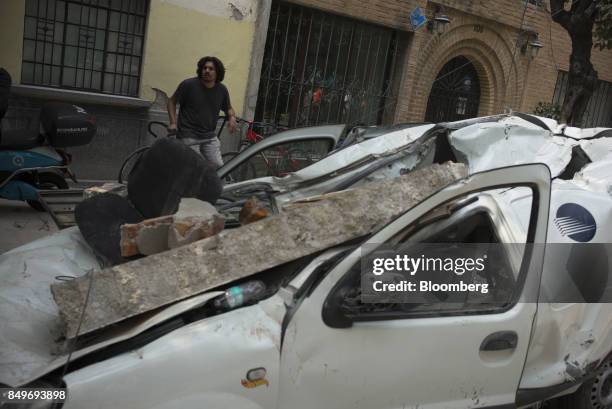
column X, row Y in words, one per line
column 499, row 341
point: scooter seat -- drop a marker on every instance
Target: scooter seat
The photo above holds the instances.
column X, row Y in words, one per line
column 19, row 139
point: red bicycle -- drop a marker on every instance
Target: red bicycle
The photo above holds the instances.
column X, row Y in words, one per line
column 274, row 161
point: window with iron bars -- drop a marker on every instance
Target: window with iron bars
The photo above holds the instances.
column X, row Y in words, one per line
column 537, row 3
column 320, row 68
column 599, row 107
column 87, row 45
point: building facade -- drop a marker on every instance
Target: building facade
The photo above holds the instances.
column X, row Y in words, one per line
column 482, row 64
column 110, row 56
column 289, row 62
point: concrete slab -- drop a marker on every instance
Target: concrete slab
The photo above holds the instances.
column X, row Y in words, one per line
column 151, row 282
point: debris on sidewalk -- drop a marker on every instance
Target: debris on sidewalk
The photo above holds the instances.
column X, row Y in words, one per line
column 194, row 220
column 142, row 285
column 252, row 211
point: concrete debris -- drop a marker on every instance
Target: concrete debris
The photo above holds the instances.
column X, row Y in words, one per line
column 148, row 283
column 112, row 187
column 153, row 239
column 252, row 211
column 194, row 220
column 130, row 235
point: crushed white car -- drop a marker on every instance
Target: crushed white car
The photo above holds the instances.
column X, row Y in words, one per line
column 307, row 344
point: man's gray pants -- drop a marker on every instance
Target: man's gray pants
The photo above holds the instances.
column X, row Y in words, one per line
column 209, row 148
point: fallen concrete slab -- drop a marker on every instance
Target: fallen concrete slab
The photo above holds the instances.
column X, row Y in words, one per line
column 302, row 228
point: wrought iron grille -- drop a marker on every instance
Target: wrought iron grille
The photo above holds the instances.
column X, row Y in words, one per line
column 455, row 94
column 321, row 68
column 599, row 107
column 90, row 45
column 537, row 3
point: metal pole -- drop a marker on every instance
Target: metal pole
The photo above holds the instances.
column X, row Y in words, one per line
column 379, row 79
column 304, row 67
column 335, row 89
column 364, row 90
column 355, row 73
column 331, row 36
column 280, row 76
column 268, row 80
column 297, row 42
column 315, row 71
column 346, row 71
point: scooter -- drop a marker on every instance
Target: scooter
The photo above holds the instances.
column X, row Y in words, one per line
column 34, row 160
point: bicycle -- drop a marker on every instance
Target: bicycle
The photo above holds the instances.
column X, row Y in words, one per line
column 276, row 161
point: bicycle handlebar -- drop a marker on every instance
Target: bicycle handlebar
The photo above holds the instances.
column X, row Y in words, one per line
column 151, row 123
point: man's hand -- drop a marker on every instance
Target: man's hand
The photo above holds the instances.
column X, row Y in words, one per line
column 232, row 124
column 171, row 129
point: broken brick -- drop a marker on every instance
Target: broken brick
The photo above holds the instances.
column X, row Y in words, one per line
column 195, row 220
column 252, row 211
column 133, row 237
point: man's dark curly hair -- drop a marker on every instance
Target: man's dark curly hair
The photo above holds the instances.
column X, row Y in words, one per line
column 218, row 67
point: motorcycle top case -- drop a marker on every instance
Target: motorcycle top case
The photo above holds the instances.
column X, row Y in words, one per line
column 66, row 124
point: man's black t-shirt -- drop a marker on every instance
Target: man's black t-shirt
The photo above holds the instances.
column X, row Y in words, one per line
column 199, row 108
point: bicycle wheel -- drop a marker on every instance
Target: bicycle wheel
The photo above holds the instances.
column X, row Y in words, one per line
column 129, row 163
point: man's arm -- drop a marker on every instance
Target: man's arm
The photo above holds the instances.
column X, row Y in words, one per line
column 226, row 106
column 231, row 117
column 171, row 107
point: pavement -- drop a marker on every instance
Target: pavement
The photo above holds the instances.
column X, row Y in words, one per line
column 20, row 224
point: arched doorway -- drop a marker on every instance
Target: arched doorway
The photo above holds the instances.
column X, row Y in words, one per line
column 455, row 94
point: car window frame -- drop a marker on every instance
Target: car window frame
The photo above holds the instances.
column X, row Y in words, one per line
column 255, row 149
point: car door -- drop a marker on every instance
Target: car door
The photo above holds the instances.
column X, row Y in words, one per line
column 448, row 358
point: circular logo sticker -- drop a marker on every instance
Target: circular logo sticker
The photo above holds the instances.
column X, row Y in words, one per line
column 18, row 160
column 575, row 222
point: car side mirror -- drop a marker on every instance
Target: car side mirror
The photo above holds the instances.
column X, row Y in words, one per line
column 333, row 313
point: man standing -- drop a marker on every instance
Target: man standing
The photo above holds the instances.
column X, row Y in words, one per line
column 200, row 100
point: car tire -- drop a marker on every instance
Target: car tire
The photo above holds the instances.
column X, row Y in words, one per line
column 47, row 181
column 596, row 393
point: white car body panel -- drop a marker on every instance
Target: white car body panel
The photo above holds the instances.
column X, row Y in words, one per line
column 39, row 344
column 568, row 337
column 30, row 323
column 199, row 365
column 496, row 144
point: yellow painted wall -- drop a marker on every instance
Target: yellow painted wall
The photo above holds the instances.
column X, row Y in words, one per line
column 178, row 36
column 11, row 34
